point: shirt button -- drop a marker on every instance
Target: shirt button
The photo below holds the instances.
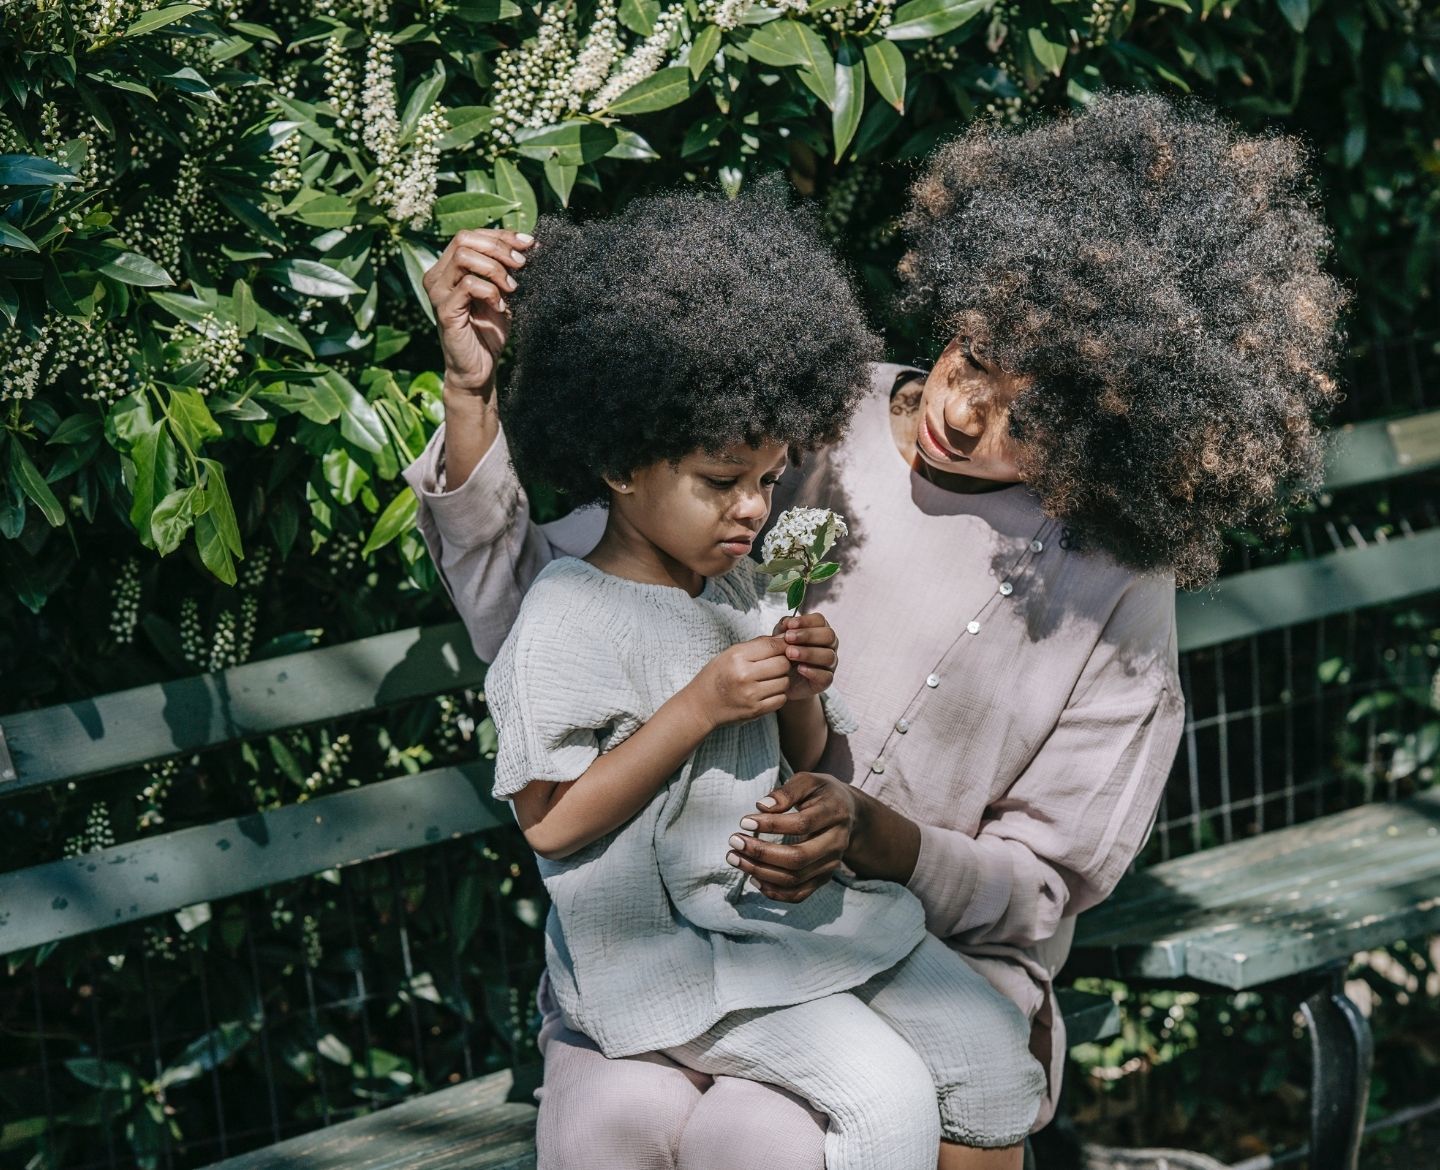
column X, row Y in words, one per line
column 902, row 726
column 1006, row 589
column 1037, row 546
column 878, row 766
column 973, row 627
column 933, row 681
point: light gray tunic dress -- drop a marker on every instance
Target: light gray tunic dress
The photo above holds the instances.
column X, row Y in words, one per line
column 651, row 937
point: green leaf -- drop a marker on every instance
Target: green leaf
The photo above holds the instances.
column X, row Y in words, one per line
column 26, row 170
column 159, row 18
column 133, row 268
column 631, row 147
column 787, row 42
column 33, row 484
column 887, row 72
column 467, row 210
column 9, row 300
column 171, row 519
column 102, row 1074
column 795, row 594
column 398, row 518
column 1050, row 54
column 13, row 237
column 703, row 49
column 327, row 211
column 312, row 278
column 1296, row 13
column 257, row 32
column 782, row 565
column 922, row 19
column 358, row 421
column 218, row 509
column 343, row 474
column 467, row 123
column 824, row 571
column 783, row 581
column 659, row 91
column 248, row 213
column 279, row 330
column 242, row 302
column 849, row 96
column 487, row 11
column 191, row 419
column 570, row 144
column 423, row 97
column 190, row 310
column 417, row 262
column 561, row 179
column 512, row 185
column 639, row 16
column 209, row 1051
column 152, row 452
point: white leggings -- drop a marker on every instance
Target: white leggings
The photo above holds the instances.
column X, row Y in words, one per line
column 924, row 1051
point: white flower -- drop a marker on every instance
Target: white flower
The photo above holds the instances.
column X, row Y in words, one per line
column 602, row 47
column 793, row 537
column 643, row 62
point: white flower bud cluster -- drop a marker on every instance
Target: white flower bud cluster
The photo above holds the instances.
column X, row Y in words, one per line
column 643, row 62
column 858, row 15
column 192, row 637
column 249, row 618
column 22, row 359
column 415, row 189
column 256, row 570
column 161, row 779
column 97, row 834
column 532, row 82
column 725, row 13
column 167, row 942
column 310, row 944
column 11, row 140
column 602, row 48
column 125, row 603
column 937, row 57
column 286, row 176
column 1099, row 19
column 340, row 87
column 342, row 550
column 220, row 346
column 165, row 221
column 105, row 18
column 796, row 530
column 375, row 11
column 330, row 764
column 379, row 118
column 840, row 200
column 457, row 725
column 223, row 644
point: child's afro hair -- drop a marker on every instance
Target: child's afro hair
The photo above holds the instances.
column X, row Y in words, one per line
column 688, row 321
column 1159, row 275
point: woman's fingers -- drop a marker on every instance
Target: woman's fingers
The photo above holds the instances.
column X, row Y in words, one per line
column 819, row 656
column 482, row 264
column 474, row 289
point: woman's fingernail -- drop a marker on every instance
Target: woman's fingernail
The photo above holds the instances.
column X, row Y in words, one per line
column 517, row 257
column 525, row 237
column 737, row 842
column 766, row 802
column 500, row 308
column 750, row 824
column 793, row 652
column 733, row 859
column 791, row 636
column 510, row 283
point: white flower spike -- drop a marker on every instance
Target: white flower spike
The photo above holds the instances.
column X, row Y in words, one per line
column 794, row 551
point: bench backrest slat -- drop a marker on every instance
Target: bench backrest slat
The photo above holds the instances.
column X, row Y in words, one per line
column 1369, row 452
column 127, row 728
column 154, row 875
column 1285, row 595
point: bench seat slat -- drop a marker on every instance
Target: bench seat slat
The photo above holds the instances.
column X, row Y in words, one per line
column 154, row 875
column 471, row 1126
column 1267, row 599
column 1365, row 452
column 128, row 728
column 1255, row 911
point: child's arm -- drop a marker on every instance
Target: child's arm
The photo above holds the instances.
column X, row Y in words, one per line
column 742, row 683
column 813, row 649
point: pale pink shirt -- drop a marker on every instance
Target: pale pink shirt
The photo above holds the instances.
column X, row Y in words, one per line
column 1017, row 695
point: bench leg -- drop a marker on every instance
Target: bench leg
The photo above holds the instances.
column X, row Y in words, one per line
column 1341, row 1051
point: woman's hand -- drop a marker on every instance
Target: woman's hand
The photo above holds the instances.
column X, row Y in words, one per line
column 822, row 812
column 467, row 287
column 744, row 682
column 813, row 649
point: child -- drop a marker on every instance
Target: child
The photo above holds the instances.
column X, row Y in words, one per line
column 646, row 695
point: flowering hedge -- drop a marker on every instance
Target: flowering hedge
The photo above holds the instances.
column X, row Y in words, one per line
column 215, row 356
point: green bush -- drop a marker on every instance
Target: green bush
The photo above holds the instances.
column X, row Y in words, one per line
column 215, row 356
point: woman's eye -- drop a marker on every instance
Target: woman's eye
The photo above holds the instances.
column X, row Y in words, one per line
column 719, row 484
column 770, row 480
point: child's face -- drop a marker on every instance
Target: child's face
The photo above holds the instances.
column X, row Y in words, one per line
column 705, row 511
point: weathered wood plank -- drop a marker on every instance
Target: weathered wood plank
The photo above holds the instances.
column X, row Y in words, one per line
column 469, row 1127
column 1254, row 911
column 156, row 875
column 1088, row 1017
column 1366, row 452
column 148, row 723
column 1286, row 595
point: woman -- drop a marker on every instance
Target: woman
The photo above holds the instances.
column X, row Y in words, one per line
column 1140, row 338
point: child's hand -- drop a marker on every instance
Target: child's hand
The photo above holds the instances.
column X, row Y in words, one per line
column 467, row 286
column 813, row 650
column 748, row 680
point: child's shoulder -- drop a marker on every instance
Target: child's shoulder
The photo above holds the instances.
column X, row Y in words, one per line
column 565, row 617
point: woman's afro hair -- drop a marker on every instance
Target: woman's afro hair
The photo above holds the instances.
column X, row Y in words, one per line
column 1158, row 274
column 688, row 321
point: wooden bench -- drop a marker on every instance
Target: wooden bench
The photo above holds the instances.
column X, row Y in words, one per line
column 487, row 1122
